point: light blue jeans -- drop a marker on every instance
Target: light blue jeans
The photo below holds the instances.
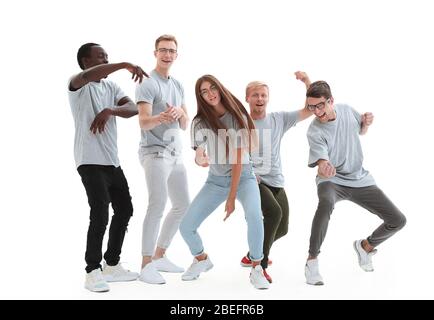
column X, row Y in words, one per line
column 215, row 192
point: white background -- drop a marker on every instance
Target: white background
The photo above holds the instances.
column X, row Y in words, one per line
column 376, row 55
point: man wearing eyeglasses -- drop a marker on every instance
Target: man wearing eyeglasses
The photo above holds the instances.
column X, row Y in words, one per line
column 267, row 164
column 335, row 148
column 162, row 113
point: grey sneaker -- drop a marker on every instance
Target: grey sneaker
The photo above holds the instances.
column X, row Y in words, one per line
column 365, row 258
column 196, row 268
column 311, row 271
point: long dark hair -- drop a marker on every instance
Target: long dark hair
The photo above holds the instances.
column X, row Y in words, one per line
column 211, row 118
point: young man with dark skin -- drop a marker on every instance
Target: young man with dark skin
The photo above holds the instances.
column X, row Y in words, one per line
column 95, row 102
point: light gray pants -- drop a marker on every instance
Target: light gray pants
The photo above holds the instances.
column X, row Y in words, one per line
column 371, row 198
column 165, row 177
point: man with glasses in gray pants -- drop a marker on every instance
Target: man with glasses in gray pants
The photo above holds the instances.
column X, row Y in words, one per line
column 162, row 113
column 335, row 148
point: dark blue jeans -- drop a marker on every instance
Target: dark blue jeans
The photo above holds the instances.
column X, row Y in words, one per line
column 104, row 185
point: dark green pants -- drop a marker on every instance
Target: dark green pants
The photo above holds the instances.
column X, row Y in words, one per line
column 275, row 210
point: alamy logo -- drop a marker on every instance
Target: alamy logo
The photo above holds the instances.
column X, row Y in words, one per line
column 221, row 147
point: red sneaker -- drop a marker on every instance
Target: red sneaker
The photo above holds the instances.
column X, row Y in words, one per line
column 267, row 276
column 246, row 262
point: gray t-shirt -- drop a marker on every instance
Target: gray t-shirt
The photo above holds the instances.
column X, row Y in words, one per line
column 215, row 146
column 266, row 160
column 86, row 103
column 338, row 142
column 159, row 92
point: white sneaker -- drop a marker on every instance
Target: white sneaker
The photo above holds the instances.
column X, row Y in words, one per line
column 118, row 273
column 258, row 279
column 196, row 268
column 365, row 258
column 95, row 281
column 149, row 274
column 165, row 265
column 311, row 272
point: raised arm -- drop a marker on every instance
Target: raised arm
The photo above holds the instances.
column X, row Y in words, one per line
column 101, row 71
column 303, row 77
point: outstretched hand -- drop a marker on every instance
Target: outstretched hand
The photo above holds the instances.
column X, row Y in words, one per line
column 137, row 72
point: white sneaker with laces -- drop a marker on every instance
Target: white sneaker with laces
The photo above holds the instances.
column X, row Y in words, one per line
column 258, row 279
column 149, row 274
column 311, row 272
column 95, row 281
column 165, row 265
column 118, row 273
column 365, row 258
column 196, row 268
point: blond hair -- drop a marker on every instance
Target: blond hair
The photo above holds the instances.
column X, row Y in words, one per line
column 255, row 84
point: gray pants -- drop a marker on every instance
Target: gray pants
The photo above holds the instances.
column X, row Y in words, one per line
column 371, row 198
column 166, row 177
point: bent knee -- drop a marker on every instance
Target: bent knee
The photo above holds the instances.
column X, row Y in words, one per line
column 402, row 222
column 398, row 222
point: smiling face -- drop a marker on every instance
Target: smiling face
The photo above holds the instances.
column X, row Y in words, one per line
column 166, row 53
column 322, row 108
column 257, row 98
column 210, row 93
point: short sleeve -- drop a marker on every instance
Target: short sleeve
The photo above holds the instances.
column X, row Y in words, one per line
column 146, row 91
column 73, row 92
column 356, row 115
column 318, row 147
column 181, row 89
column 118, row 94
column 289, row 119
